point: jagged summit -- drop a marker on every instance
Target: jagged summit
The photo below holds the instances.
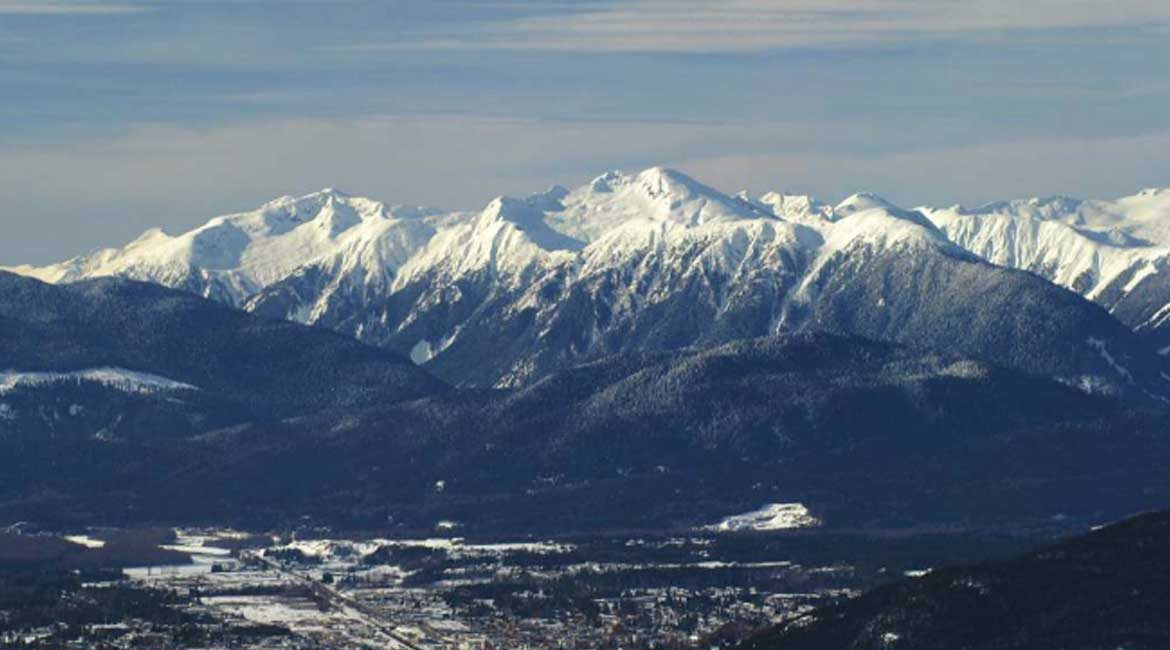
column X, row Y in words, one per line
column 662, row 181
column 309, row 206
column 655, row 180
column 233, row 256
column 528, row 216
column 796, row 207
column 299, row 208
column 657, row 194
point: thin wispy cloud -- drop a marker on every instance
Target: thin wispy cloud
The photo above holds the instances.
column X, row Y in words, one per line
column 50, row 7
column 709, row 26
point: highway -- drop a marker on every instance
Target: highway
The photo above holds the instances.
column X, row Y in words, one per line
column 341, row 601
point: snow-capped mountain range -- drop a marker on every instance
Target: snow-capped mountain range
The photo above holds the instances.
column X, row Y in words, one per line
column 657, row 260
column 1116, row 253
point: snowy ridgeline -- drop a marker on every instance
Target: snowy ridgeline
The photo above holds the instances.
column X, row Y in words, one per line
column 349, row 244
column 356, row 246
column 354, row 242
column 121, row 379
column 566, row 275
column 245, row 252
column 773, row 516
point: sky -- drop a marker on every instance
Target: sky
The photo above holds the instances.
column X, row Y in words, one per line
column 121, row 115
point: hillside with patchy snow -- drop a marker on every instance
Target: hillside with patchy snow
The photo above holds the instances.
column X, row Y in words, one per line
column 115, row 358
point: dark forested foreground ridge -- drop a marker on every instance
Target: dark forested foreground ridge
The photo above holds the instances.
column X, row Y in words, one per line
column 1109, row 589
column 133, row 357
column 206, row 414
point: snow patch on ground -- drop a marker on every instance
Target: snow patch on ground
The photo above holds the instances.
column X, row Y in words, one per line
column 119, row 378
column 300, row 613
column 773, row 516
column 162, row 573
column 1099, row 345
column 966, row 370
column 422, row 352
column 336, row 550
column 85, row 540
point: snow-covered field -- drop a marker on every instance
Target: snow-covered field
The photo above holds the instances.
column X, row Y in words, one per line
column 85, row 540
column 334, row 550
column 772, row 516
column 296, row 613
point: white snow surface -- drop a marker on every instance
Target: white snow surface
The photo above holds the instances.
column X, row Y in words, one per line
column 296, row 613
column 85, row 540
column 333, row 550
column 772, row 516
column 119, row 378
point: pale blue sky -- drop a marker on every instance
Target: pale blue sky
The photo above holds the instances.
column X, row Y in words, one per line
column 121, row 115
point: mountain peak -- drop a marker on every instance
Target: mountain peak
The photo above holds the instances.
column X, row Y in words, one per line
column 604, row 182
column 665, row 177
column 1055, row 203
column 616, row 199
column 324, row 194
column 863, row 201
column 655, row 182
column 672, row 186
column 796, row 206
column 150, row 235
column 299, row 206
column 884, row 226
column 508, row 208
column 527, row 216
column 336, row 216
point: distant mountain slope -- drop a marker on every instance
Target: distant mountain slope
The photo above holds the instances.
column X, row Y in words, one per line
column 111, row 341
column 1116, row 253
column 1106, row 590
column 627, row 263
column 232, row 257
column 861, row 432
column 773, row 396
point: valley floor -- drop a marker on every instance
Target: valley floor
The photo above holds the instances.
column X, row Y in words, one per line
column 317, row 588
